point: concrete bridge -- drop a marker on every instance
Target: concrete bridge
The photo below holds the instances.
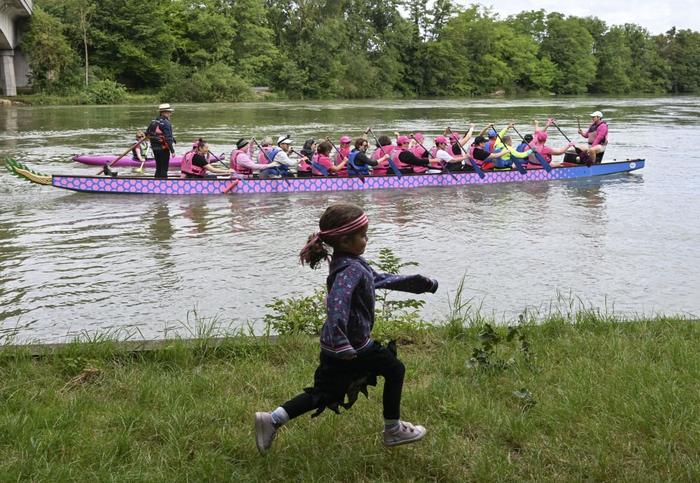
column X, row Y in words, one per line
column 13, row 64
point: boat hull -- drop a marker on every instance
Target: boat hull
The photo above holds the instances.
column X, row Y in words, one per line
column 213, row 186
column 125, row 162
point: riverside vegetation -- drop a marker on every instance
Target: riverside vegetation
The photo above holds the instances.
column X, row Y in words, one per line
column 97, row 51
column 578, row 394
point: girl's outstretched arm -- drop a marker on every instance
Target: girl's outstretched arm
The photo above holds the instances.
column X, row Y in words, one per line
column 404, row 283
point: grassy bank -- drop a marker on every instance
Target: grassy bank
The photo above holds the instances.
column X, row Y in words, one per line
column 594, row 399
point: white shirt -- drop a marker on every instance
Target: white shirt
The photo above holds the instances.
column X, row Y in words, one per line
column 282, row 158
column 443, row 155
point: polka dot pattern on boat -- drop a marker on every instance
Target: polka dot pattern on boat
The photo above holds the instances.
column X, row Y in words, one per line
column 184, row 186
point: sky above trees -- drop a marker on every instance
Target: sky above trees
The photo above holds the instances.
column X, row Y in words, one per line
column 654, row 15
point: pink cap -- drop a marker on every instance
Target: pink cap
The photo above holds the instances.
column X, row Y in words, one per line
column 403, row 140
column 419, row 137
column 441, row 139
column 345, row 139
column 541, row 136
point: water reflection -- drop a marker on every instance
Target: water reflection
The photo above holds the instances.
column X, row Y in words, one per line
column 195, row 210
column 72, row 261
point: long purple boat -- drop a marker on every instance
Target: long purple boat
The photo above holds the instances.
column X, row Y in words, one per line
column 245, row 185
column 125, row 162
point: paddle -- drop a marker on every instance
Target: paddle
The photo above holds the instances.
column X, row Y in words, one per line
column 348, row 164
column 474, row 164
column 583, row 155
column 105, row 168
column 547, row 167
column 517, row 163
column 443, row 163
column 268, row 158
column 392, row 165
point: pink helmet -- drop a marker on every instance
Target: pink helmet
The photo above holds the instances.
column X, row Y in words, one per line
column 403, row 140
column 440, row 139
column 345, row 139
column 541, row 137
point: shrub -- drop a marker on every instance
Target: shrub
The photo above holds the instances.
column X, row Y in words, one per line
column 216, row 83
column 104, row 92
column 302, row 315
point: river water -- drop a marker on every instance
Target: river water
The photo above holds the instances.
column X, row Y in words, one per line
column 73, row 263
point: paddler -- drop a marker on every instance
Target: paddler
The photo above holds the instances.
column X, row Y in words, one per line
column 242, row 160
column 597, row 136
column 195, row 164
column 280, row 155
column 140, row 151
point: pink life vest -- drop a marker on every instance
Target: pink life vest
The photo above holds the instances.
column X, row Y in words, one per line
column 471, row 156
column 262, row 159
column 381, row 169
column 304, row 166
column 593, row 132
column 542, row 150
column 188, row 168
column 418, row 151
column 384, row 166
column 378, row 152
column 324, row 161
column 342, row 155
column 234, row 162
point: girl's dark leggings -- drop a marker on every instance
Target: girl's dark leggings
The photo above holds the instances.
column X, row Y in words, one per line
column 377, row 361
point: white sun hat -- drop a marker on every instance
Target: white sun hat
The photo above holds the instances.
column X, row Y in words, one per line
column 597, row 114
column 165, row 108
column 284, row 139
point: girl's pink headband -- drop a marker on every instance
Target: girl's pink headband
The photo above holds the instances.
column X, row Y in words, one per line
column 349, row 227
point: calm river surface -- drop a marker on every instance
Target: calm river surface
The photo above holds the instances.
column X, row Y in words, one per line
column 72, row 263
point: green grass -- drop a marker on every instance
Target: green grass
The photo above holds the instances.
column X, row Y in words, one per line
column 610, row 400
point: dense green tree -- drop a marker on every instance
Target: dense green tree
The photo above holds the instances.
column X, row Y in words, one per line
column 650, row 72
column 569, row 45
column 348, row 48
column 134, row 43
column 52, row 61
column 614, row 58
column 681, row 48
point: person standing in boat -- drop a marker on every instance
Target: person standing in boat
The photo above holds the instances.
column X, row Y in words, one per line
column 597, row 136
column 195, row 164
column 160, row 131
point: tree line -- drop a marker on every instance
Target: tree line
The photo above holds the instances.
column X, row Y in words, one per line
column 215, row 50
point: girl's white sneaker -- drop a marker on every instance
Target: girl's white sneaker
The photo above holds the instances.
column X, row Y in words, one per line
column 404, row 433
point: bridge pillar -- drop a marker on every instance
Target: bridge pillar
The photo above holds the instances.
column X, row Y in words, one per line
column 7, row 72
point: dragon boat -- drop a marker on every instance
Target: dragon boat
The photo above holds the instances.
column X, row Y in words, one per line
column 245, row 185
column 125, row 162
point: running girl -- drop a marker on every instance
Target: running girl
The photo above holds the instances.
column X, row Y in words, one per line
column 349, row 357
